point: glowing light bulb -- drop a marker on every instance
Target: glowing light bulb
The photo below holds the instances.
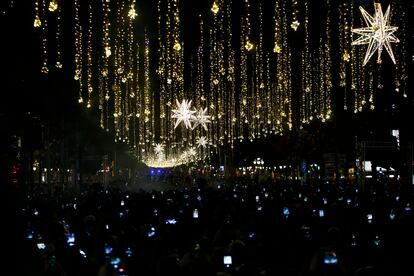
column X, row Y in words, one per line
column 346, row 56
column 249, row 46
column 277, row 49
column 37, row 23
column 132, row 13
column 215, row 8
column 295, row 24
column 108, row 52
column 53, row 5
column 177, row 46
column 80, row 100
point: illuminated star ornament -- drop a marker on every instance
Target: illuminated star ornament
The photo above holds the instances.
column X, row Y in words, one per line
column 158, row 149
column 201, row 118
column 378, row 34
column 201, row 141
column 183, row 113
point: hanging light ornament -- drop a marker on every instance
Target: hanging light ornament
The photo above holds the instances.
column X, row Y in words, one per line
column 215, row 8
column 201, row 118
column 159, row 148
column 277, row 49
column 108, row 51
column 183, row 113
column 378, row 34
column 249, row 46
column 202, row 142
column 295, row 25
column 132, row 13
column 295, row 22
column 37, row 22
column 53, row 6
column 177, row 46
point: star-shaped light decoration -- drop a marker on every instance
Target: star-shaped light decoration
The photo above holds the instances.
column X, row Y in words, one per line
column 159, row 149
column 201, row 118
column 191, row 152
column 215, row 8
column 378, row 34
column 159, row 152
column 183, row 113
column 132, row 13
column 201, row 142
column 53, row 6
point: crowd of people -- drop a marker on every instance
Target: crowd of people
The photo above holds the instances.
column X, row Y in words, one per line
column 237, row 228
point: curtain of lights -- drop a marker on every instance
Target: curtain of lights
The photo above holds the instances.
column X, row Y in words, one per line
column 243, row 80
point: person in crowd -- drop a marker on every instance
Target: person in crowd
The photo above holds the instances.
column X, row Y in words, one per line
column 237, row 229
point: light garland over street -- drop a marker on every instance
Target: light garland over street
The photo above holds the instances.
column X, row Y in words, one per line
column 163, row 92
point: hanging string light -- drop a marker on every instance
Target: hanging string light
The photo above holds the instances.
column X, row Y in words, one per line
column 138, row 122
column 268, row 111
column 243, row 96
column 295, row 22
column 132, row 12
column 325, row 85
column 148, row 97
column 104, row 70
column 245, row 101
column 401, row 77
column 162, row 73
column 308, row 97
column 344, row 42
column 129, row 76
column 357, row 73
column 45, row 66
column 7, row 7
column 37, row 22
column 200, row 99
column 259, row 83
column 58, row 63
column 171, row 72
column 277, row 31
column 78, row 51
column 248, row 44
column 177, row 65
column 231, row 76
column 89, row 65
column 222, row 87
column 282, row 96
column 118, row 74
column 212, row 97
column 216, row 99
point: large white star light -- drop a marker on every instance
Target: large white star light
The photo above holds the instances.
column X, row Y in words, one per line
column 159, row 149
column 202, row 118
column 378, row 34
column 202, row 141
column 183, row 113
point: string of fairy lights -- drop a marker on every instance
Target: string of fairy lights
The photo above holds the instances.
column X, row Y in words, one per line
column 236, row 86
column 282, row 99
